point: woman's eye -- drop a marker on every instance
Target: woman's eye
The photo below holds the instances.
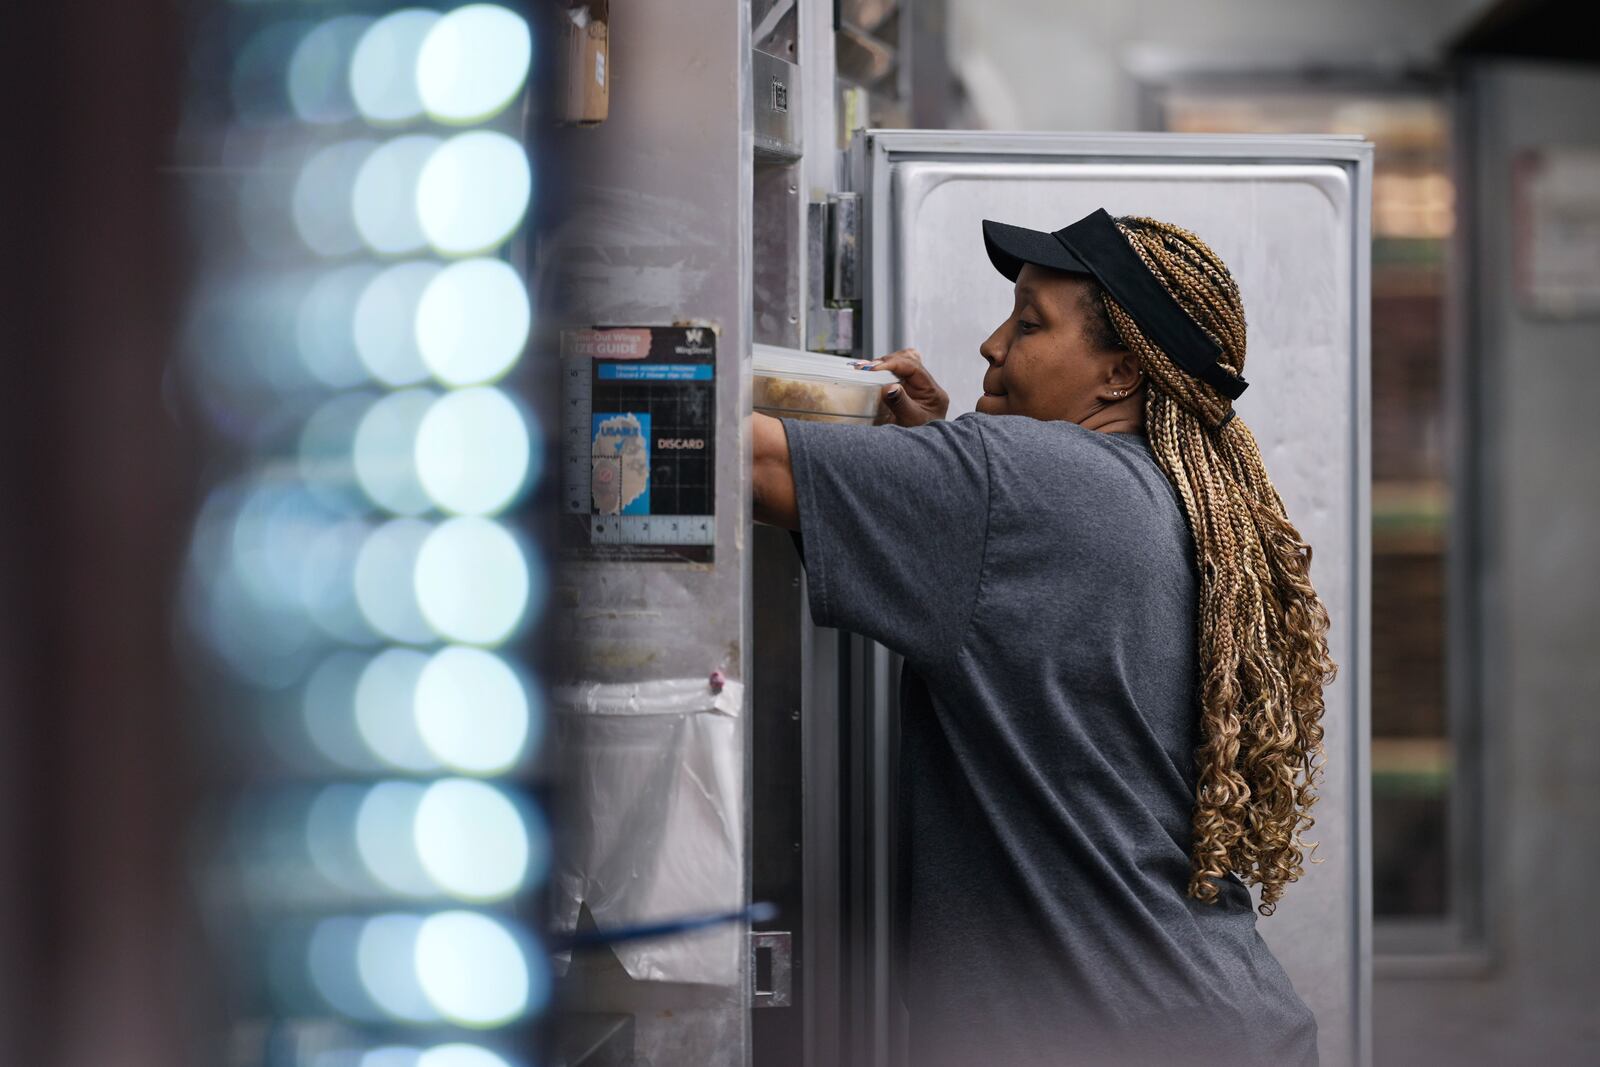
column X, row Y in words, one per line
column 1027, row 326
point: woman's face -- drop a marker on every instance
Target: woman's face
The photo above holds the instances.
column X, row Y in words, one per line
column 1041, row 361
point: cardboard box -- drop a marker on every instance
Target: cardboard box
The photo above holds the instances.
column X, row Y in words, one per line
column 586, row 77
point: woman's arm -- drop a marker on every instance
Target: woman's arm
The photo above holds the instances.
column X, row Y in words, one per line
column 772, row 479
column 912, row 401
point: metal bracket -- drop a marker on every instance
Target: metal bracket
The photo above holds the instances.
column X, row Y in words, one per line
column 771, row 962
column 776, row 108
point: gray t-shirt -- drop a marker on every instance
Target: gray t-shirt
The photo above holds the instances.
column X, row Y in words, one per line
column 1039, row 579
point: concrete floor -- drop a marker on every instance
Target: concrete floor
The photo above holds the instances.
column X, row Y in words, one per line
column 1477, row 1022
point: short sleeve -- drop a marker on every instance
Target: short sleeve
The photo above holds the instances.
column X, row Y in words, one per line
column 894, row 522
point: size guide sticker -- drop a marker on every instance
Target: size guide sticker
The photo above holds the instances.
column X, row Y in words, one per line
column 638, row 441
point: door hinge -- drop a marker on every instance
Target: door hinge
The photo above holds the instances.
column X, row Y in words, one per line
column 833, row 248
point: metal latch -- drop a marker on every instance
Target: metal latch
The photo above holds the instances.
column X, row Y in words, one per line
column 770, row 968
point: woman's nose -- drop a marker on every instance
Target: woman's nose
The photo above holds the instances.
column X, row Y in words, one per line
column 994, row 349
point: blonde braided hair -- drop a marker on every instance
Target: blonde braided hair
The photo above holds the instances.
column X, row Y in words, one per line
column 1263, row 653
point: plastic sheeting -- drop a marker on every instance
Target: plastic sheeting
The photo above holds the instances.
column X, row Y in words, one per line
column 652, row 774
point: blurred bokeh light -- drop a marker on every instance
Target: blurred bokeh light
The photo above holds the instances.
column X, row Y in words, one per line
column 358, row 572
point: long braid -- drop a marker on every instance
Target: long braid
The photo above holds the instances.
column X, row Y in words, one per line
column 1261, row 628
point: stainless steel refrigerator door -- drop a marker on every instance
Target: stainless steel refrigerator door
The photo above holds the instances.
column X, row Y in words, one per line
column 1290, row 217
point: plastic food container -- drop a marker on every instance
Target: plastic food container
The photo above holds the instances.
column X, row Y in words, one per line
column 793, row 384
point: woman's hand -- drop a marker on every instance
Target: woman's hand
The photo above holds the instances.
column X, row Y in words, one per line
column 916, row 398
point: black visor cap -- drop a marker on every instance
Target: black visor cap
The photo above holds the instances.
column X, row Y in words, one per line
column 1094, row 245
column 1010, row 247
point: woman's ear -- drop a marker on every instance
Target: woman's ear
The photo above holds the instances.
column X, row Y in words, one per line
column 1124, row 373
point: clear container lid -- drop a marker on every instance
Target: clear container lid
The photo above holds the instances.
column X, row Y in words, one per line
column 771, row 361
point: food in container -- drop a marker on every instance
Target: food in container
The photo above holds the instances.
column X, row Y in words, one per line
column 793, row 384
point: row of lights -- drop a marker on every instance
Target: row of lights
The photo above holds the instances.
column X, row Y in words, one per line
column 360, row 574
column 460, row 196
column 463, row 68
column 417, row 323
column 459, row 967
column 458, row 839
column 281, row 584
column 458, row 709
column 406, row 1056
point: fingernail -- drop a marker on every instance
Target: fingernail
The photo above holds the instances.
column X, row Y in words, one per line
column 894, row 394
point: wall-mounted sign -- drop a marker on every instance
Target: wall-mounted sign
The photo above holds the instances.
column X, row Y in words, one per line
column 1556, row 197
column 638, row 443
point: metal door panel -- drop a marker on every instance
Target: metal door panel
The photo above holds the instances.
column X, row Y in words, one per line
column 1290, row 217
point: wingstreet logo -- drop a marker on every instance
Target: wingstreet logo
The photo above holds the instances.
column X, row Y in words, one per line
column 694, row 343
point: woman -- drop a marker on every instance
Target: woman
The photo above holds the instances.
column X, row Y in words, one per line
column 1114, row 659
